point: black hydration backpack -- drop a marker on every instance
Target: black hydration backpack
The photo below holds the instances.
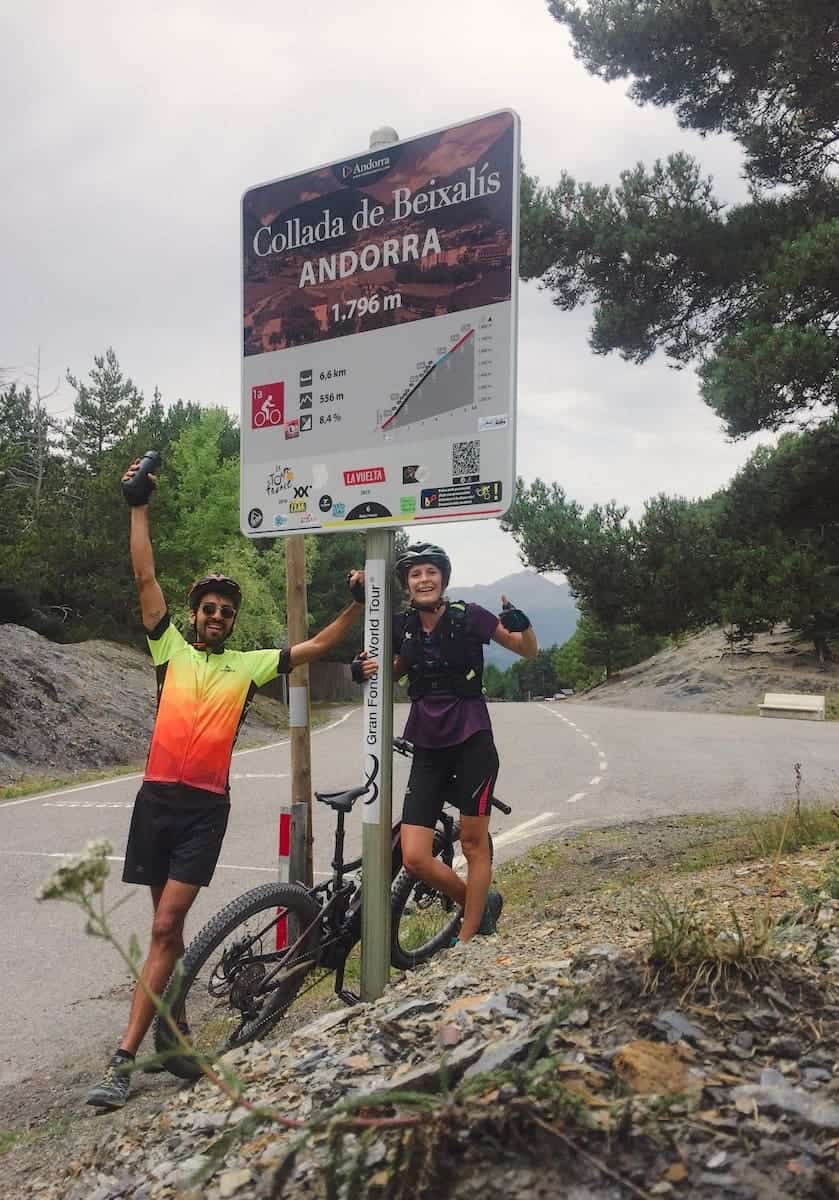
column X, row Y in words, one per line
column 460, row 665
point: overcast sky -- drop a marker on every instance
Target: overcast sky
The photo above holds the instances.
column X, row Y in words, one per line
column 131, row 131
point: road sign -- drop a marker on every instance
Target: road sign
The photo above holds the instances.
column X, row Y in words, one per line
column 379, row 327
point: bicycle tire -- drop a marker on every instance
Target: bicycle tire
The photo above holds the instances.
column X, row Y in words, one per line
column 406, row 952
column 202, row 1014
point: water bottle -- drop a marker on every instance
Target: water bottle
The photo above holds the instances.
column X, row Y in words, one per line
column 138, row 489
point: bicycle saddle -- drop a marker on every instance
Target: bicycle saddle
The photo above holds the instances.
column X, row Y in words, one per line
column 341, row 801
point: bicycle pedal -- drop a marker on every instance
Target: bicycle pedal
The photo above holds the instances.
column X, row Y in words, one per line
column 349, row 997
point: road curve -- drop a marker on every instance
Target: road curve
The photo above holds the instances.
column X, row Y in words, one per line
column 565, row 767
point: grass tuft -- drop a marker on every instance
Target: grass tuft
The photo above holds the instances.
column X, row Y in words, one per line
column 9, row 1139
column 812, row 826
column 686, row 945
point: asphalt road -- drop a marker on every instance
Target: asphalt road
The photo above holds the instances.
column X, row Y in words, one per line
column 565, row 766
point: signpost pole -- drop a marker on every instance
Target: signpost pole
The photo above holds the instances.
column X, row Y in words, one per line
column 378, row 738
column 378, row 767
column 378, row 389
column 298, row 714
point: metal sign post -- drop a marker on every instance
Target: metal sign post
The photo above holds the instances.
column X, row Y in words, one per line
column 379, row 322
column 299, row 710
column 377, row 735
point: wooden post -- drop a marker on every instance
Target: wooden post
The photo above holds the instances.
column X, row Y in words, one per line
column 298, row 705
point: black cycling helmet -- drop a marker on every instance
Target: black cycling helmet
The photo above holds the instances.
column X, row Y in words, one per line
column 214, row 583
column 423, row 552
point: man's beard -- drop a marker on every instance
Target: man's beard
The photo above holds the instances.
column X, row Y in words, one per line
column 213, row 638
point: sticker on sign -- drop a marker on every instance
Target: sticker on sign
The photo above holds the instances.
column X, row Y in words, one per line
column 379, row 331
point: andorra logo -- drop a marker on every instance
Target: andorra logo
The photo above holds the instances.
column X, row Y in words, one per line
column 364, row 168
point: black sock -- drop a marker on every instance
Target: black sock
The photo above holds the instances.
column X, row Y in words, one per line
column 124, row 1055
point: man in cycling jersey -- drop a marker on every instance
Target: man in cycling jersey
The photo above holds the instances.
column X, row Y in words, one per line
column 180, row 814
column 439, row 646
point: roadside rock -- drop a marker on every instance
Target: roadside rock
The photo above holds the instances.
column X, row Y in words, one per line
column 532, row 1092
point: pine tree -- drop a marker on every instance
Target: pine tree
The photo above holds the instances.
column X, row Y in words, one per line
column 106, row 410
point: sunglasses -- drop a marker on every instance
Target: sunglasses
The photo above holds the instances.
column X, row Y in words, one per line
column 226, row 610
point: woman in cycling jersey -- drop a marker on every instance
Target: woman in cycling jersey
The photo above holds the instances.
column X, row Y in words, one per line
column 439, row 646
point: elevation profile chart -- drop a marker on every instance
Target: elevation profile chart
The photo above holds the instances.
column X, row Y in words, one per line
column 446, row 385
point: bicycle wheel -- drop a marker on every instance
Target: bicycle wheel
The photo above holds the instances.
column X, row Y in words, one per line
column 424, row 920
column 217, row 990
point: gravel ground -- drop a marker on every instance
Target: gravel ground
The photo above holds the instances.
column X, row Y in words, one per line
column 553, row 1058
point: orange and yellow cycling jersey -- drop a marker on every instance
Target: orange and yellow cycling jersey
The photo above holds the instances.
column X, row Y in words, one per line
column 202, row 698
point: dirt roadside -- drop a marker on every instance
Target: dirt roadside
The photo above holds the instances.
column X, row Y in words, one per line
column 567, row 896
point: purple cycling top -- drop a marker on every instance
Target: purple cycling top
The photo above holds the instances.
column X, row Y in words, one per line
column 446, row 720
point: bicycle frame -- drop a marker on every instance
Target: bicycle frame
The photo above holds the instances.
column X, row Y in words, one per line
column 340, row 910
column 339, row 901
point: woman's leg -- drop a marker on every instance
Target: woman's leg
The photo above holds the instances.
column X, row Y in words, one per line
column 475, row 773
column 474, row 841
column 418, row 857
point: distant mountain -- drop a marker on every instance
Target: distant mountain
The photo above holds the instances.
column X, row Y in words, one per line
column 549, row 606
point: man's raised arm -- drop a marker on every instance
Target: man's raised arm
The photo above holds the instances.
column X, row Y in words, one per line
column 152, row 602
column 333, row 634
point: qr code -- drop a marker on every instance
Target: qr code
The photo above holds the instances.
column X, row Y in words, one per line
column 466, row 462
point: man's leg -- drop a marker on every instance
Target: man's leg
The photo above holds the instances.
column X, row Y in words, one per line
column 171, row 903
column 474, row 841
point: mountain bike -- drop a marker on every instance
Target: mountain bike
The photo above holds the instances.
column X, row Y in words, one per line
column 240, row 975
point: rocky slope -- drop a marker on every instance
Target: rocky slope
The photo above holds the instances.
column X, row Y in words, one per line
column 701, row 675
column 76, row 707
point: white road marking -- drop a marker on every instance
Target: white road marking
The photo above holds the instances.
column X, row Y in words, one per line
column 84, row 787
column 602, row 765
column 596, row 779
column 261, row 775
column 118, row 859
column 512, row 834
column 577, row 796
column 86, row 804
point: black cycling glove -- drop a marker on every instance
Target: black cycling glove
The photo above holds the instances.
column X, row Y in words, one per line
column 356, row 671
column 513, row 619
column 356, row 591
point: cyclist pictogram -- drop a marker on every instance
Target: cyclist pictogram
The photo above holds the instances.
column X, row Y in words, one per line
column 267, row 404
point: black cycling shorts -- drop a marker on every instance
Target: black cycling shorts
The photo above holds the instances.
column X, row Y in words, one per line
column 171, row 838
column 461, row 775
